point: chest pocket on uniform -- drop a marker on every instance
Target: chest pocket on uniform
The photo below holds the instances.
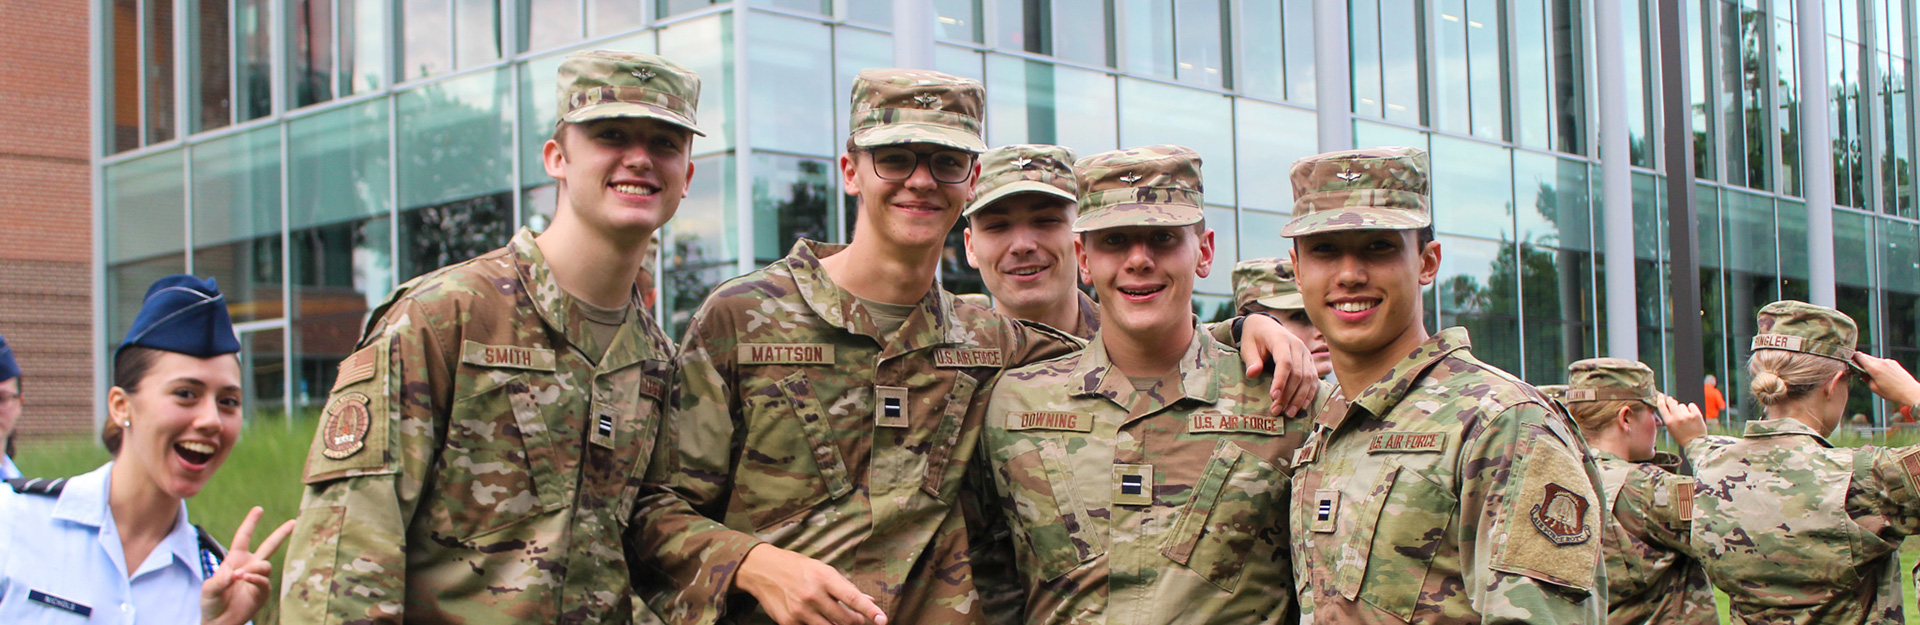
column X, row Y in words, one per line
column 1397, row 553
column 792, row 463
column 942, row 473
column 636, row 431
column 500, row 457
column 1239, row 499
column 1055, row 529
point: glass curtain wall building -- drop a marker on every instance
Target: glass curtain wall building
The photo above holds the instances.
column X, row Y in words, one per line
column 312, row 154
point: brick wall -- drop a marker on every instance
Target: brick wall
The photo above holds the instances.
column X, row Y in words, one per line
column 46, row 209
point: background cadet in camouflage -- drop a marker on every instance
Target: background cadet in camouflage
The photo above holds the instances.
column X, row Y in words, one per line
column 1651, row 576
column 482, row 450
column 1019, row 235
column 1793, row 529
column 1434, row 487
column 1266, row 285
column 1154, row 494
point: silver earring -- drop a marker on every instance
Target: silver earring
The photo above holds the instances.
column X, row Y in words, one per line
column 126, row 424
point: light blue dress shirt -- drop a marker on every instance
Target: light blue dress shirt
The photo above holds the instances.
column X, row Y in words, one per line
column 61, row 562
column 7, row 470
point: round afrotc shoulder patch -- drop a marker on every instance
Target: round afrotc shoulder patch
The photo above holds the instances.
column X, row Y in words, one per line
column 343, row 432
column 1561, row 516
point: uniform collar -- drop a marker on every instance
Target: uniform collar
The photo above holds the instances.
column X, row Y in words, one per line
column 930, row 324
column 556, row 307
column 1198, row 378
column 1380, row 397
column 1089, row 322
column 83, row 501
column 1771, row 428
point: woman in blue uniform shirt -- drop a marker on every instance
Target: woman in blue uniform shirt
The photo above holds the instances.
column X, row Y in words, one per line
column 114, row 545
column 9, row 408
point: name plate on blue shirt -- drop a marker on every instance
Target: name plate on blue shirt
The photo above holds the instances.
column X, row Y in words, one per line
column 58, row 603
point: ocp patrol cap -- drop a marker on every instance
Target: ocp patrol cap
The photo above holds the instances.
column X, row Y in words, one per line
column 602, row 84
column 895, row 106
column 1384, row 188
column 1015, row 169
column 1268, row 282
column 1157, row 185
column 1609, row 379
column 184, row 315
column 1807, row 328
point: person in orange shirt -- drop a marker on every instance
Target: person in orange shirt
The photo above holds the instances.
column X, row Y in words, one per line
column 1715, row 401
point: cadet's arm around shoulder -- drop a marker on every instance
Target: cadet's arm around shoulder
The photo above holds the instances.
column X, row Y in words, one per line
column 1035, row 342
column 1267, row 347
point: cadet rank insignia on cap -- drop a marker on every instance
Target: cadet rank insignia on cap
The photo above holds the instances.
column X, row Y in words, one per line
column 344, row 432
column 1561, row 516
column 890, row 406
column 1407, row 442
column 960, row 357
column 1133, row 484
column 785, row 354
column 1049, row 420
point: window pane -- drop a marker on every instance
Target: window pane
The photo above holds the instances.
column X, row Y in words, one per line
column 236, row 220
column 427, row 33
column 1483, row 62
column 698, row 246
column 127, row 288
column 1794, row 264
column 1260, row 235
column 1787, row 97
column 1472, row 189
column 212, row 76
column 1853, row 248
column 1366, row 133
column 875, row 12
column 337, row 165
column 1550, row 201
column 1704, row 155
column 264, row 357
column 363, row 51
column 1149, row 30
column 478, row 32
column 123, row 68
column 454, row 140
column 159, row 70
column 1750, row 243
column 311, row 53
column 1453, row 112
column 1477, row 290
column 339, row 272
column 1200, row 43
column 248, row 272
column 959, row 20
column 1153, row 113
column 809, row 6
column 435, row 236
column 605, row 17
column 548, row 23
column 1559, row 309
column 1033, row 102
column 253, row 49
column 676, row 7
column 705, row 46
column 791, row 92
column 959, row 62
column 1364, row 27
column 1270, row 139
column 1530, row 98
column 1299, row 38
column 1080, row 31
column 790, row 199
column 1400, row 60
column 1263, row 69
column 146, row 207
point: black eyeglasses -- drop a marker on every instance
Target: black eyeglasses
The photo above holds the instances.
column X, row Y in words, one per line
column 897, row 163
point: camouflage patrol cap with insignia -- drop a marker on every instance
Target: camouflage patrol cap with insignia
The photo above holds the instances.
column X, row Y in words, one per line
column 1809, row 329
column 1015, row 169
column 1609, row 379
column 1156, row 185
column 895, row 106
column 1383, row 188
column 1552, row 391
column 603, row 84
column 184, row 315
column 1267, row 282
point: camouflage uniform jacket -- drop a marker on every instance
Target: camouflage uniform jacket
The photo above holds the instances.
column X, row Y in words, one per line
column 801, row 425
column 1146, row 507
column 496, row 463
column 1089, row 320
column 1651, row 575
column 1795, row 530
column 1447, row 492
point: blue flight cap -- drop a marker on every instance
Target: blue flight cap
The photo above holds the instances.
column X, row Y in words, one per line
column 9, row 368
column 185, row 315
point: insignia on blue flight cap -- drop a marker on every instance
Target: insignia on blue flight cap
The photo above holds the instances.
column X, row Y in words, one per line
column 9, row 368
column 185, row 315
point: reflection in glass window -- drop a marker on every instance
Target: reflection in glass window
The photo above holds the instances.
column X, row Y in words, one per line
column 1270, row 138
column 122, row 67
column 340, row 271
column 1750, row 241
column 435, row 236
column 310, row 54
column 1200, row 44
column 158, row 71
column 808, row 6
column 1704, row 156
column 548, row 23
column 337, row 165
column 477, row 36
column 209, row 28
column 1276, row 42
column 1153, row 113
column 1794, row 264
column 1559, row 309
column 1478, row 289
column 1786, row 96
column 427, row 37
column 958, row 20
column 455, row 140
column 959, row 62
column 1452, row 111
column 263, row 353
column 605, row 17
column 1639, row 106
column 875, row 12
column 236, row 220
column 1472, row 189
column 249, row 275
column 1400, row 66
column 676, row 7
column 698, row 248
column 1072, row 30
column 1550, row 201
column 1363, row 23
column 790, row 199
column 1853, row 248
column 1260, row 236
column 705, row 46
column 145, row 208
column 1149, row 44
column 790, row 93
column 1033, row 102
column 1741, row 87
column 1366, row 133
